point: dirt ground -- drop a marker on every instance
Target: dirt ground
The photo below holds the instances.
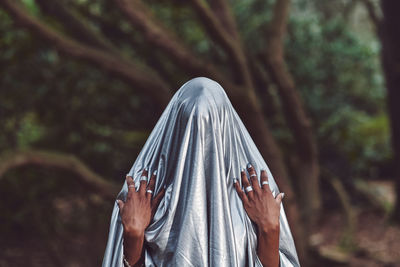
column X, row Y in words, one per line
column 375, row 242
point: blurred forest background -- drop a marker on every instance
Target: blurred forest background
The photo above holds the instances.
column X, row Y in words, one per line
column 83, row 82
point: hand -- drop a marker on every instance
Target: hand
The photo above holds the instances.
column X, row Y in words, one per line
column 140, row 206
column 260, row 204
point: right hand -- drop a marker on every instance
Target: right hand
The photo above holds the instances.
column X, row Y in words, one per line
column 260, row 204
column 140, row 206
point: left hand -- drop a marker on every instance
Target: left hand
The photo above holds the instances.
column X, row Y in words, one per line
column 140, row 206
column 261, row 206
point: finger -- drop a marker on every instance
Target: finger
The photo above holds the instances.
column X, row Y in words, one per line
column 156, row 200
column 246, row 184
column 264, row 181
column 120, row 204
column 143, row 182
column 240, row 192
column 129, row 181
column 131, row 185
column 279, row 198
column 151, row 185
column 253, row 178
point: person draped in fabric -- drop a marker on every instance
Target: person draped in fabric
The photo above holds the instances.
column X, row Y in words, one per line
column 201, row 206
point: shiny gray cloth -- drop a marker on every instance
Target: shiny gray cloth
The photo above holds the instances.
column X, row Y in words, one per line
column 198, row 146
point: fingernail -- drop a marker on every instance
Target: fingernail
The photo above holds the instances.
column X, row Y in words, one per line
column 146, row 169
column 242, row 170
column 234, row 180
column 165, row 186
column 283, row 195
column 249, row 166
column 155, row 172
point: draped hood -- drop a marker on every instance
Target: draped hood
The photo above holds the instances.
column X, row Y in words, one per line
column 198, row 146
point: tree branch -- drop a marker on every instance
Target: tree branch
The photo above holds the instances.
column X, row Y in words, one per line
column 262, row 85
column 233, row 47
column 307, row 167
column 276, row 29
column 348, row 9
column 142, row 78
column 274, row 60
column 74, row 25
column 140, row 16
column 14, row 159
column 214, row 28
column 371, row 9
column 223, row 11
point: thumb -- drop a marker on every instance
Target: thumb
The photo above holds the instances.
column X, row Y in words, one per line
column 279, row 198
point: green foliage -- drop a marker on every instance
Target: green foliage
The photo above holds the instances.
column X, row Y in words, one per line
column 50, row 101
column 54, row 102
column 341, row 83
column 30, row 130
column 252, row 16
column 31, row 6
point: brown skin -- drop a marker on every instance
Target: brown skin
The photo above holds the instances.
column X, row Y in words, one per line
column 260, row 205
column 136, row 214
column 263, row 209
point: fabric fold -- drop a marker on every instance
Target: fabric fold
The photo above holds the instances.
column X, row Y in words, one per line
column 198, row 146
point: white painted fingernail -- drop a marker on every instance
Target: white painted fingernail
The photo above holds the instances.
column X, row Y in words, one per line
column 235, row 180
column 155, row 172
column 243, row 170
column 249, row 165
column 283, row 195
column 146, row 169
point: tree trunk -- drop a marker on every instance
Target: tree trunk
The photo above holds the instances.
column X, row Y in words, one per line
column 389, row 33
column 17, row 158
column 306, row 169
column 220, row 26
column 255, row 122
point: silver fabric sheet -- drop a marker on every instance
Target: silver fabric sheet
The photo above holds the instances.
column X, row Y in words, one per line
column 198, row 146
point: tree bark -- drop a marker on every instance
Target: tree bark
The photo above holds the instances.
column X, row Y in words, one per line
column 17, row 158
column 256, row 124
column 145, row 80
column 307, row 167
column 223, row 11
column 74, row 25
column 231, row 46
column 160, row 37
column 390, row 38
column 241, row 92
